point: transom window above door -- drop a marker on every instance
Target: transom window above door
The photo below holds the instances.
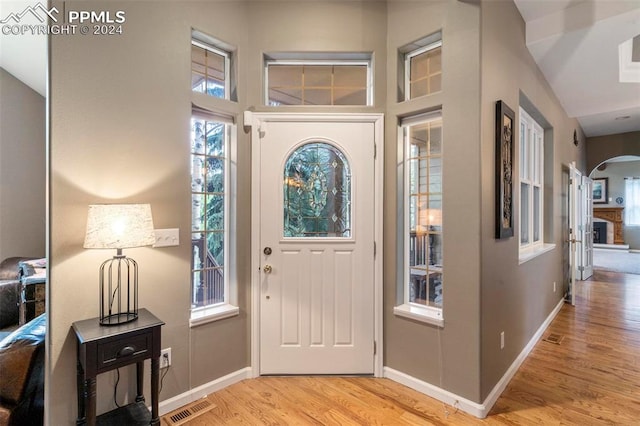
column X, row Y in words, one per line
column 316, row 81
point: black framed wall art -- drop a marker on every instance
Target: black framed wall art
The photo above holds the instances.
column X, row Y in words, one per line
column 505, row 125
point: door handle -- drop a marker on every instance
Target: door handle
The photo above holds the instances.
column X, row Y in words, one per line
column 267, row 269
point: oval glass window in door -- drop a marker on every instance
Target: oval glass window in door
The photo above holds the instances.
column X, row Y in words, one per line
column 317, row 192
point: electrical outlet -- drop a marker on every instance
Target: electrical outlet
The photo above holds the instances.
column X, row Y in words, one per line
column 165, row 358
column 554, row 286
column 502, row 340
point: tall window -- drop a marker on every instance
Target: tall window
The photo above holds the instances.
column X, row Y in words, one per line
column 423, row 211
column 209, row 70
column 209, row 210
column 531, row 182
column 423, row 70
column 318, row 81
column 632, row 201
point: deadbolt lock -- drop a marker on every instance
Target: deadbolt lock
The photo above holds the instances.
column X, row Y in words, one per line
column 267, row 251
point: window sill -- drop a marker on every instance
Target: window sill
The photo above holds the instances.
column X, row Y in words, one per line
column 213, row 313
column 534, row 252
column 423, row 314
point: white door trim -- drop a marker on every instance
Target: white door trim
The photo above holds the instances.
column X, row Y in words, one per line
column 259, row 122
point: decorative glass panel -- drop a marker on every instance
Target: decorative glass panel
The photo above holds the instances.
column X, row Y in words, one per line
column 317, row 192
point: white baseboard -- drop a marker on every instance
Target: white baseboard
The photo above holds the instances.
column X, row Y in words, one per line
column 440, row 394
column 508, row 375
column 204, row 390
column 478, row 410
column 611, row 246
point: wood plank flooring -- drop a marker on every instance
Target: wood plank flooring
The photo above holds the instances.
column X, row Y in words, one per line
column 591, row 378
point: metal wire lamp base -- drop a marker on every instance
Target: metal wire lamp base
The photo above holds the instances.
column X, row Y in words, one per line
column 118, row 290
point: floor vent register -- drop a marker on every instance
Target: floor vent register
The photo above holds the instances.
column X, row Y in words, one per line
column 188, row 412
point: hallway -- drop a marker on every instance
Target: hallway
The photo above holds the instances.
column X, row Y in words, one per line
column 591, row 377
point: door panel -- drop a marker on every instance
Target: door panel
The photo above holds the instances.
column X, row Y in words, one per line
column 575, row 219
column 316, row 297
column 586, row 260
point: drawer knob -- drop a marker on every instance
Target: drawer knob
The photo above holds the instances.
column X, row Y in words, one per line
column 127, row 350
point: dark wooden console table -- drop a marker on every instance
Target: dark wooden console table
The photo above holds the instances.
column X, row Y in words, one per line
column 104, row 348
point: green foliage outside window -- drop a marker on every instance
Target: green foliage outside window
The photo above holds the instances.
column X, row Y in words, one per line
column 208, row 174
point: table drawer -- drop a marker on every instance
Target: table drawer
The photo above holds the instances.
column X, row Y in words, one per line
column 124, row 350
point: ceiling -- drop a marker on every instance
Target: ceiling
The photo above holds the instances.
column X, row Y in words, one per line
column 574, row 42
column 30, row 68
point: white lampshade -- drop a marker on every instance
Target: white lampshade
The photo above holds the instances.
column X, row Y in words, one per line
column 119, row 226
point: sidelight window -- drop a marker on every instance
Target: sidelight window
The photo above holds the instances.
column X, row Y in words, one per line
column 422, row 189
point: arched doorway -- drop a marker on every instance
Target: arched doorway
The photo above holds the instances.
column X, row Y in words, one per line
column 616, row 214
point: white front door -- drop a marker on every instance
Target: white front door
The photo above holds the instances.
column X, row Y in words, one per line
column 316, row 292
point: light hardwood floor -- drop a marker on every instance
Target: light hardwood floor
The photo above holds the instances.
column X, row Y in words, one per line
column 592, row 377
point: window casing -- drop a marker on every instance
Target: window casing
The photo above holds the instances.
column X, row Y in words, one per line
column 318, row 82
column 423, row 70
column 531, row 183
column 210, row 70
column 423, row 273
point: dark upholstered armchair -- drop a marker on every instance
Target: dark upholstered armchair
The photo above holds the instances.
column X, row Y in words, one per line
column 9, row 291
column 22, row 374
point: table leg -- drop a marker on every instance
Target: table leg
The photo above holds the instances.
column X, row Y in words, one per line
column 81, row 391
column 90, row 400
column 140, row 381
column 155, row 386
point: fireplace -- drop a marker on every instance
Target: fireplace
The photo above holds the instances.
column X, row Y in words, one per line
column 600, row 232
column 614, row 216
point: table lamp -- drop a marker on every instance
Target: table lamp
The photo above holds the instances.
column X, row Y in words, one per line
column 119, row 226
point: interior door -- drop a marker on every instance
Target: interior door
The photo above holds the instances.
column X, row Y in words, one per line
column 586, row 258
column 575, row 216
column 317, row 243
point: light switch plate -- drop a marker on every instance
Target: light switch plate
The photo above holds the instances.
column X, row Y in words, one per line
column 167, row 237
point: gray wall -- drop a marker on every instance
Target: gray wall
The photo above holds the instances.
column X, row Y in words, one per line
column 517, row 298
column 120, row 120
column 616, row 172
column 22, row 169
column 447, row 357
column 603, row 148
column 120, row 110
